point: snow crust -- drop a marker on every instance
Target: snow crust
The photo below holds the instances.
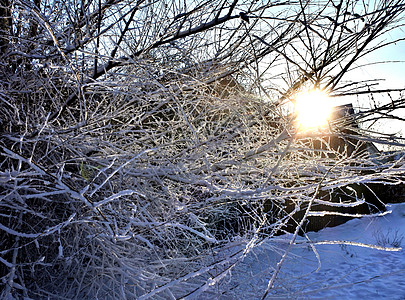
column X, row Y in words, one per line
column 343, row 271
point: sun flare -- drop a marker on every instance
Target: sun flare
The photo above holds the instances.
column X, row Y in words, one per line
column 313, row 109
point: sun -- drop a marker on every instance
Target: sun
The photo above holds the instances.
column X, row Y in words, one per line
column 313, row 109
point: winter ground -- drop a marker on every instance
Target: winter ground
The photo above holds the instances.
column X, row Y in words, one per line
column 345, row 271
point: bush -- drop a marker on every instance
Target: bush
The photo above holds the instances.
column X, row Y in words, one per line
column 137, row 163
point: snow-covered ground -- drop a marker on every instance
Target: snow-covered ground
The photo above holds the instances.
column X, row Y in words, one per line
column 345, row 271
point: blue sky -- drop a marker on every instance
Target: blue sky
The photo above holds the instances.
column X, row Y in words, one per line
column 390, row 68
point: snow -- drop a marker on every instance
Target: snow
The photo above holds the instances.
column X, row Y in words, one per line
column 345, row 271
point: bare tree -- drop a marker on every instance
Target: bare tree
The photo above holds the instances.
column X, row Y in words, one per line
column 146, row 146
